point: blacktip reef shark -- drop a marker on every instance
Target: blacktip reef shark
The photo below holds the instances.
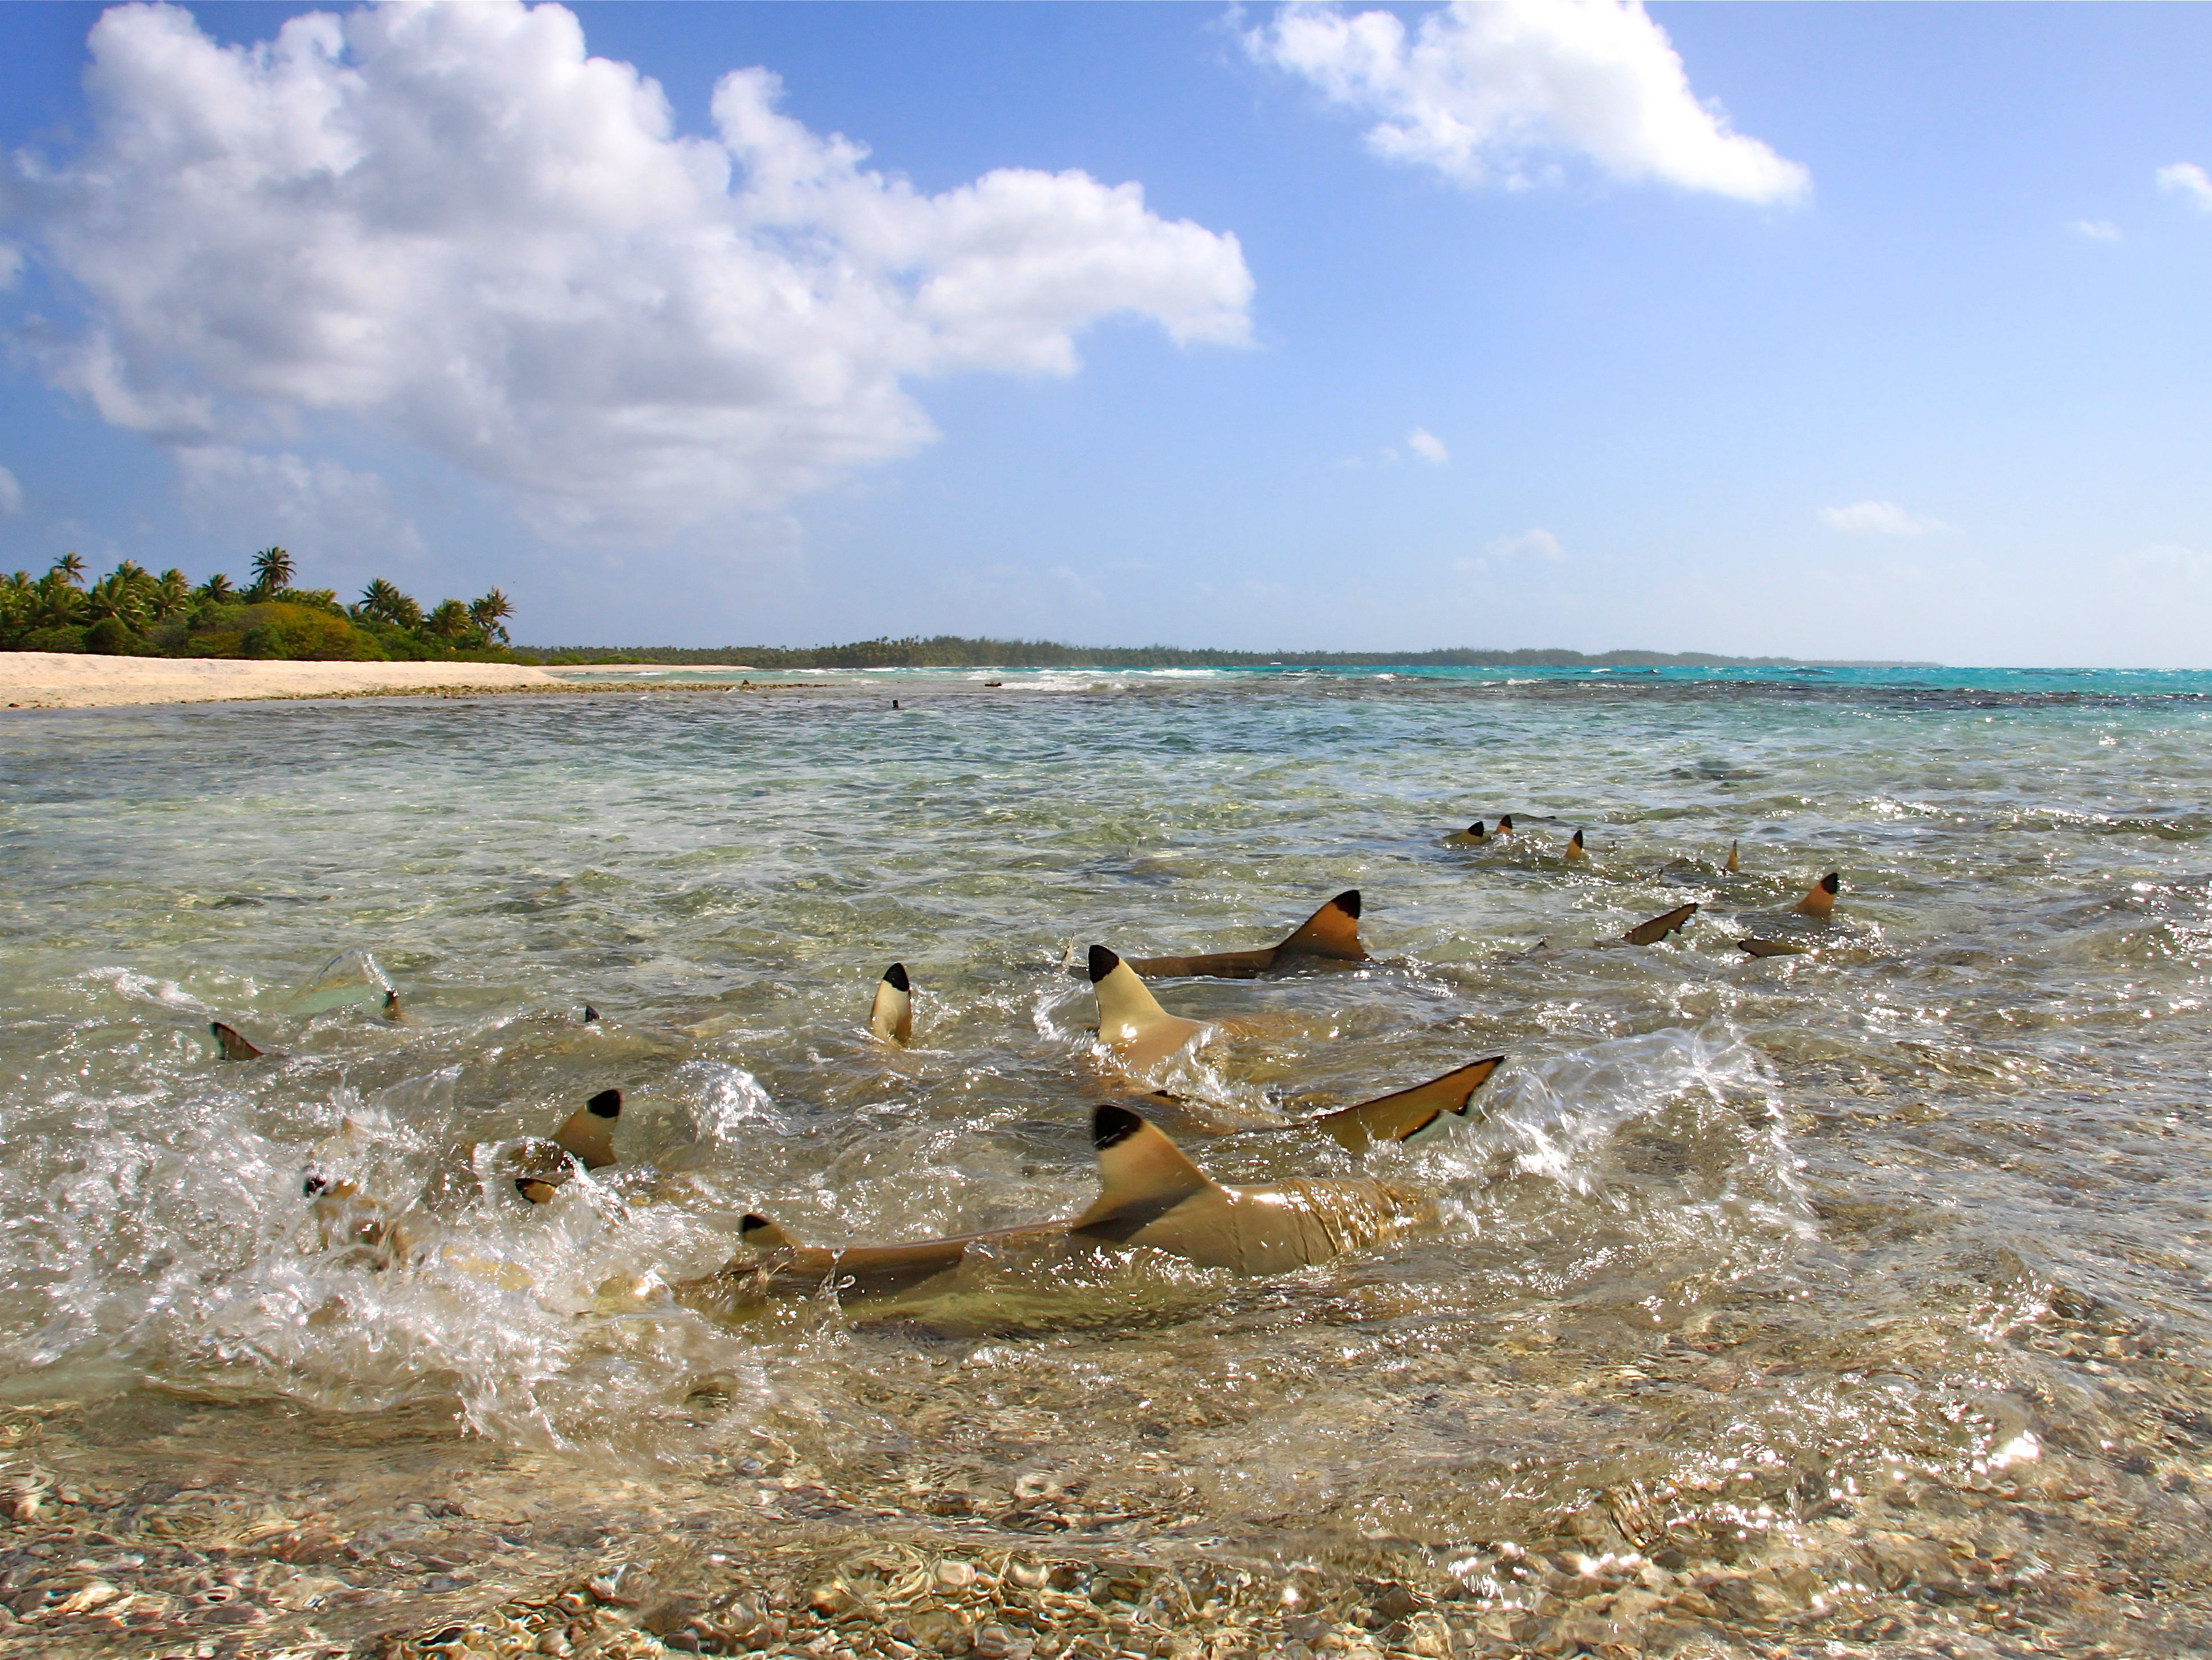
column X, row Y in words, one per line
column 1820, row 903
column 234, row 1047
column 1651, row 933
column 1576, row 850
column 1332, row 931
column 1150, row 1194
column 892, row 1016
column 1475, row 836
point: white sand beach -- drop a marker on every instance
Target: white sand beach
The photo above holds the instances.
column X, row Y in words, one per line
column 58, row 680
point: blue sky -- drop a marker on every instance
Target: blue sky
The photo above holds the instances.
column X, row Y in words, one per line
column 1841, row 331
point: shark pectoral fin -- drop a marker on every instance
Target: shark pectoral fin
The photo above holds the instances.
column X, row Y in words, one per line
column 1576, row 851
column 1734, row 863
column 1131, row 1021
column 1332, row 931
column 1651, row 933
column 1142, row 1175
column 1217, row 965
column 234, row 1047
column 1770, row 948
column 589, row 1136
column 1402, row 1117
column 891, row 1018
column 1821, row 900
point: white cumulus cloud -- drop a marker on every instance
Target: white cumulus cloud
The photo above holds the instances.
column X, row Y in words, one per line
column 1493, row 91
column 454, row 224
column 2190, row 182
column 1426, row 445
column 322, row 509
column 1879, row 518
column 11, row 492
column 1529, row 544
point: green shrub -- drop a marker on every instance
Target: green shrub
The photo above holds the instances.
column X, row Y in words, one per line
column 114, row 637
column 279, row 631
column 51, row 638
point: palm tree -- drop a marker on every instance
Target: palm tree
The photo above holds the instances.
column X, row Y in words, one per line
column 58, row 603
column 272, row 571
column 172, row 594
column 490, row 613
column 450, row 621
column 384, row 602
column 116, row 595
column 71, row 568
column 216, row 590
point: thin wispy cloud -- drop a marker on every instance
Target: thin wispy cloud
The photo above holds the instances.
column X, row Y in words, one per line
column 1528, row 545
column 1502, row 93
column 456, row 224
column 2097, row 230
column 1426, row 445
column 1879, row 518
column 11, row 492
column 2190, row 182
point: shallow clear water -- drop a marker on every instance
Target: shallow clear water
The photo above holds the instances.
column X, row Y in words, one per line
column 1744, row 1262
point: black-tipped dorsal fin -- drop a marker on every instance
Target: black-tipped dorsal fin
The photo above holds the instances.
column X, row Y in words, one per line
column 1404, row 1115
column 1651, row 933
column 1131, row 1021
column 1821, row 899
column 890, row 1016
column 590, row 1015
column 1575, row 848
column 1141, row 1174
column 234, row 1047
column 589, row 1136
column 1504, row 824
column 1734, row 861
column 757, row 1232
column 1332, row 931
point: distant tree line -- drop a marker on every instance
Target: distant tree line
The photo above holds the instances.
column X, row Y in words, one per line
column 946, row 651
column 132, row 613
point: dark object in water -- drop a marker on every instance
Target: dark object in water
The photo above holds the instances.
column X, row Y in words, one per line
column 392, row 1009
column 590, row 1014
column 1651, row 933
column 1473, row 837
column 589, row 1136
column 894, row 702
column 1770, row 948
column 891, row 1016
column 234, row 1047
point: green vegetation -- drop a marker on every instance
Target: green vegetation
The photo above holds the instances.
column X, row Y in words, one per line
column 131, row 612
column 944, row 651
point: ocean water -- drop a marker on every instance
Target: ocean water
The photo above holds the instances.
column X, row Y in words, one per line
column 1873, row 1280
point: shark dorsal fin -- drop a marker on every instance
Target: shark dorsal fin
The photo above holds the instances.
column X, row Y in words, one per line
column 1124, row 1001
column 1141, row 1174
column 757, row 1232
column 1504, row 824
column 589, row 1136
column 1332, row 931
column 1733, row 862
column 1576, row 851
column 1821, row 899
column 234, row 1047
column 1651, row 933
column 892, row 1016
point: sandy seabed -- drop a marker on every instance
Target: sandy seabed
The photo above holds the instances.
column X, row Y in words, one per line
column 60, row 680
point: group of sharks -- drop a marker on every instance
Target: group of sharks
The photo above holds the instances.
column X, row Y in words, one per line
column 1150, row 1192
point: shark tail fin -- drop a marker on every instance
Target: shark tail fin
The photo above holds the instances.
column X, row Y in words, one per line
column 1141, row 1174
column 1734, row 863
column 1332, row 931
column 757, row 1232
column 589, row 1136
column 1402, row 1117
column 234, row 1047
column 1651, row 933
column 891, row 1018
column 1821, row 899
column 1576, row 851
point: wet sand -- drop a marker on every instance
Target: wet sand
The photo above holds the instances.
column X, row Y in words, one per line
column 60, row 680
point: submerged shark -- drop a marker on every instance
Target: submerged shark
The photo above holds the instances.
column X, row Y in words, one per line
column 1331, row 931
column 1150, row 1194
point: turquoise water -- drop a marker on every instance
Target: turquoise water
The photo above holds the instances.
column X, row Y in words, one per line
column 1753, row 1262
